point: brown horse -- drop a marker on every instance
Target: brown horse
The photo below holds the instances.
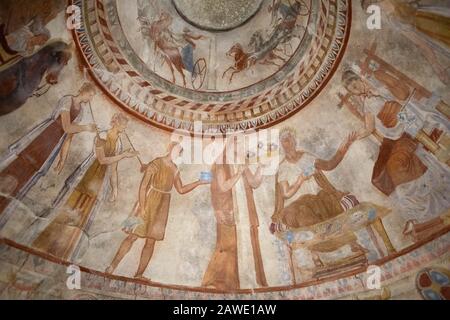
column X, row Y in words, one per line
column 265, row 50
column 241, row 58
column 244, row 60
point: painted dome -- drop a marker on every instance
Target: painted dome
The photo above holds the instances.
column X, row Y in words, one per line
column 223, row 73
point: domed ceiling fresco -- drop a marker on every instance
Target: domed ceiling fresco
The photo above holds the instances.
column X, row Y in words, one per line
column 209, row 149
column 188, row 62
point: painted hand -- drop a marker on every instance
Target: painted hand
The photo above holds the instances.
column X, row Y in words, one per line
column 351, row 138
column 302, row 178
column 131, row 153
column 91, row 128
column 203, row 182
column 241, row 169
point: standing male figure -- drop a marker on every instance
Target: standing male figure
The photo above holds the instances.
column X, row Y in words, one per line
column 160, row 177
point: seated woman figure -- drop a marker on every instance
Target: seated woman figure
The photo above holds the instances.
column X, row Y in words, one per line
column 301, row 170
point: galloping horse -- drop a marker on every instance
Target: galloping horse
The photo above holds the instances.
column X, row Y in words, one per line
column 264, row 53
column 288, row 9
column 241, row 58
column 265, row 50
column 21, row 80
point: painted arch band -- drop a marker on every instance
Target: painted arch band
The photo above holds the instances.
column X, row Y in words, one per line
column 204, row 76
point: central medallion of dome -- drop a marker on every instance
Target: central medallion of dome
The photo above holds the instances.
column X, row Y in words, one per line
column 217, row 15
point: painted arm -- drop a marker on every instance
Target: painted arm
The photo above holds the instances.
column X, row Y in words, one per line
column 194, row 37
column 64, row 153
column 104, row 160
column 144, row 187
column 183, row 189
column 227, row 185
column 369, row 126
column 255, row 180
column 71, row 128
column 329, row 165
column 114, row 182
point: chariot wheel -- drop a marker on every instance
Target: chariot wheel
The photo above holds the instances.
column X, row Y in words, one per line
column 199, row 74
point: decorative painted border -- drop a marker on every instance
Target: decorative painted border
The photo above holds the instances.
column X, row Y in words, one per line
column 405, row 261
column 171, row 113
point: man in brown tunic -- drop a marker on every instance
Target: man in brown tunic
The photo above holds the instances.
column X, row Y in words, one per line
column 160, row 176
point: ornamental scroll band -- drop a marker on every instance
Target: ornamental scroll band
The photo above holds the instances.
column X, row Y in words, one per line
column 170, row 112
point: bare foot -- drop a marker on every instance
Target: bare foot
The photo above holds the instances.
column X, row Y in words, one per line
column 109, row 270
column 444, row 77
column 142, row 278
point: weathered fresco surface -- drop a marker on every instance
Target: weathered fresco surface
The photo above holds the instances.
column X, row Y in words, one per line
column 91, row 176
